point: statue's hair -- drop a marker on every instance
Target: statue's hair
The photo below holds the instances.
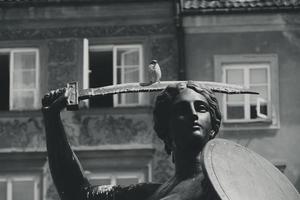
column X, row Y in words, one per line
column 163, row 106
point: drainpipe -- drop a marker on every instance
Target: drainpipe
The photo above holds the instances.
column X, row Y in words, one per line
column 180, row 39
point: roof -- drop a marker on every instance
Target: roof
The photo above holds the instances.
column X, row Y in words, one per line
column 207, row 6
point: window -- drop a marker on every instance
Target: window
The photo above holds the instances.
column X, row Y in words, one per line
column 19, row 79
column 117, row 164
column 254, row 76
column 257, row 73
column 116, row 178
column 114, row 64
column 21, row 174
column 18, row 188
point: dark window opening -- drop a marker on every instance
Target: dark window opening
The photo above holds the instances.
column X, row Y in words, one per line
column 4, row 81
column 101, row 74
column 253, row 111
column 235, row 112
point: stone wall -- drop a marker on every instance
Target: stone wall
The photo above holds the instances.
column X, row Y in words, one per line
column 60, row 35
column 276, row 34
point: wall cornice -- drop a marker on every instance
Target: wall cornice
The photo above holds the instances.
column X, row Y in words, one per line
column 241, row 23
column 86, row 32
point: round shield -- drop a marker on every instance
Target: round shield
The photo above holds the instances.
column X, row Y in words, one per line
column 238, row 173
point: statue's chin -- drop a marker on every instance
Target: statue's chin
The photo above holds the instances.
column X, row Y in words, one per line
column 198, row 138
column 198, row 134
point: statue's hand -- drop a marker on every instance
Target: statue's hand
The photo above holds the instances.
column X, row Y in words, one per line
column 55, row 100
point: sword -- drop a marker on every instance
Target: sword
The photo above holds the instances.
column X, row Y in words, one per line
column 75, row 95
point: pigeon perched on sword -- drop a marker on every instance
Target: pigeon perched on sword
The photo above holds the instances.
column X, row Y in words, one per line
column 154, row 73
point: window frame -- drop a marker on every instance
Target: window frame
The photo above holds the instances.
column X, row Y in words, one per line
column 247, row 103
column 113, row 176
column 36, row 90
column 113, row 48
column 115, row 67
column 10, row 178
column 272, row 121
column 132, row 160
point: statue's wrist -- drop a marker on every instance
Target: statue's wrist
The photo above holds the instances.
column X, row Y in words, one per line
column 47, row 110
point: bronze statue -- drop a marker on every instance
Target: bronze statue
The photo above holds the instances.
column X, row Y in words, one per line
column 186, row 117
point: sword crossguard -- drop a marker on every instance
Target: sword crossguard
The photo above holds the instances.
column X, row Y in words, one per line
column 72, row 96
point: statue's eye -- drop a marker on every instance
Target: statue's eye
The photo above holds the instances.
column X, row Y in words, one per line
column 200, row 107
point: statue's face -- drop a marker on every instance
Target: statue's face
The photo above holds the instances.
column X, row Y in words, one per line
column 190, row 121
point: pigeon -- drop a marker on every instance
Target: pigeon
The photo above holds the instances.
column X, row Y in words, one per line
column 154, row 73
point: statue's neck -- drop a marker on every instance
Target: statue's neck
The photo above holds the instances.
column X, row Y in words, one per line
column 187, row 165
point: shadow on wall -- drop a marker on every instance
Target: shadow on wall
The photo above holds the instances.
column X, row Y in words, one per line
column 245, row 137
column 297, row 184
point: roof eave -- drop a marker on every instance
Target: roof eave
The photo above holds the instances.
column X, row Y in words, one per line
column 271, row 9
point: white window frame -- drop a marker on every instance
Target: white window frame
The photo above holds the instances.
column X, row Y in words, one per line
column 272, row 121
column 36, row 91
column 114, row 49
column 10, row 178
column 113, row 176
column 246, row 70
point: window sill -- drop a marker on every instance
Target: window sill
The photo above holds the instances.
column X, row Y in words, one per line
column 250, row 125
column 23, row 113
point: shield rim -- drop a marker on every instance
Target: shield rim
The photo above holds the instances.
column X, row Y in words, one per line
column 208, row 167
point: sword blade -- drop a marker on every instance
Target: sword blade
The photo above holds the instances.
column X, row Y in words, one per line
column 159, row 86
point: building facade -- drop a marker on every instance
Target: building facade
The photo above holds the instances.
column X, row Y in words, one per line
column 46, row 44
column 255, row 44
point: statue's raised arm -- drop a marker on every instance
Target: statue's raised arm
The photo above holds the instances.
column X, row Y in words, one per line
column 67, row 173
column 65, row 168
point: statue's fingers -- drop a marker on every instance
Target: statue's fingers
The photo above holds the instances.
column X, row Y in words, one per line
column 56, row 94
column 59, row 103
column 46, row 100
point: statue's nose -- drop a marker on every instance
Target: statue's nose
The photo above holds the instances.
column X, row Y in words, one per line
column 193, row 111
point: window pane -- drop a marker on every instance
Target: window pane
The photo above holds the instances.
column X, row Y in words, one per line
column 263, row 110
column 24, row 60
column 263, row 93
column 100, row 74
column 258, row 76
column 235, row 76
column 132, row 98
column 238, row 98
column 23, row 190
column 3, row 190
column 127, row 181
column 100, row 181
column 119, row 76
column 23, row 100
column 131, row 75
column 120, row 98
column 127, row 56
column 235, row 112
column 131, row 58
column 4, row 81
column 24, row 79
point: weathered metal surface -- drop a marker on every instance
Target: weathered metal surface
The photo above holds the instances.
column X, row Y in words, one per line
column 238, row 173
column 136, row 87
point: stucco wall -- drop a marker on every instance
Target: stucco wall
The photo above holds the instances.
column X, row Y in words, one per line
column 276, row 145
column 58, row 32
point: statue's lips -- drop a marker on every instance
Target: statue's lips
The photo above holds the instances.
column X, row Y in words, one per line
column 196, row 127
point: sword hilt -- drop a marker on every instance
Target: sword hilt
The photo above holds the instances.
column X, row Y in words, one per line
column 72, row 93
